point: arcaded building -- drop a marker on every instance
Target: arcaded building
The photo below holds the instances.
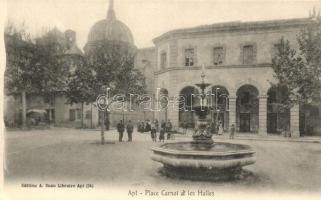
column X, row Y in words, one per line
column 237, row 58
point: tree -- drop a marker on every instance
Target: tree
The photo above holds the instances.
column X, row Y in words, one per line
column 300, row 71
column 34, row 66
column 80, row 84
column 21, row 69
column 52, row 78
column 113, row 68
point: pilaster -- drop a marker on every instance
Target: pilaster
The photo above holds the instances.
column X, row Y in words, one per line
column 232, row 111
column 262, row 115
column 294, row 121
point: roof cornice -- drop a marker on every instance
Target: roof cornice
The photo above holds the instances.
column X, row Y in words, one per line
column 234, row 27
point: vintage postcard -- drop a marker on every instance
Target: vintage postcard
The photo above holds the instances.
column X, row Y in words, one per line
column 161, row 99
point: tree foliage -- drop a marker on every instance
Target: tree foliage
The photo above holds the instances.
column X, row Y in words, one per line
column 20, row 73
column 34, row 65
column 114, row 69
column 80, row 82
column 50, row 60
column 300, row 70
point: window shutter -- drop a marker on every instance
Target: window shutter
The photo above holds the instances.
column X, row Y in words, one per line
column 254, row 53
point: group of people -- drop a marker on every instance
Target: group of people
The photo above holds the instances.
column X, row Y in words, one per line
column 121, row 130
column 219, row 129
column 147, row 126
column 153, row 128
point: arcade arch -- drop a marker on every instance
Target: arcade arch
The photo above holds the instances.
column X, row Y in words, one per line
column 188, row 99
column 247, row 109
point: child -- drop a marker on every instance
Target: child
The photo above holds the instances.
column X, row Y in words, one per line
column 162, row 134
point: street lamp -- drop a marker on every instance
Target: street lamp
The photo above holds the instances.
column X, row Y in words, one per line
column 102, row 118
column 216, row 99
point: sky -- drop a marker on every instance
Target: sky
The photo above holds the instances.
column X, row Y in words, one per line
column 148, row 19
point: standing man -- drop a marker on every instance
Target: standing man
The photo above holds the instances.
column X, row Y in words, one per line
column 129, row 129
column 120, row 129
column 157, row 125
column 153, row 131
column 162, row 131
column 232, row 131
column 168, row 129
column 147, row 126
column 184, row 127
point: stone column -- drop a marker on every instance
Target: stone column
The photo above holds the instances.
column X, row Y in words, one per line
column 232, row 112
column 294, row 121
column 262, row 115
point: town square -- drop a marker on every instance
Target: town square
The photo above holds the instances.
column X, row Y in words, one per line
column 64, row 155
column 222, row 102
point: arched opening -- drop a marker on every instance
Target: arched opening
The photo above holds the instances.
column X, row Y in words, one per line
column 188, row 99
column 163, row 99
column 247, row 109
column 310, row 120
column 278, row 113
column 219, row 103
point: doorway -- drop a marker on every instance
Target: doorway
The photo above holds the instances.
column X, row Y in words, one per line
column 245, row 122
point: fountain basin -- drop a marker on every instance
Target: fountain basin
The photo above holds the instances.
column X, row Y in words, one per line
column 216, row 161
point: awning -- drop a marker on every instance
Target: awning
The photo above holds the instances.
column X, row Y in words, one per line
column 40, row 111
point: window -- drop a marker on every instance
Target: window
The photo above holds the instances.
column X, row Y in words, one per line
column 49, row 100
column 248, row 54
column 88, row 114
column 218, row 55
column 72, row 115
column 163, row 60
column 78, row 113
column 189, row 57
column 275, row 49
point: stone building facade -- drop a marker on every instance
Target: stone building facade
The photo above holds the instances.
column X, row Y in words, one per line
column 237, row 57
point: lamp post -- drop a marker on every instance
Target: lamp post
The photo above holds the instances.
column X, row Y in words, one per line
column 102, row 119
column 216, row 107
column 216, row 99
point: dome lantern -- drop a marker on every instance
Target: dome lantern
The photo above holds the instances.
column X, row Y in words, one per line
column 111, row 13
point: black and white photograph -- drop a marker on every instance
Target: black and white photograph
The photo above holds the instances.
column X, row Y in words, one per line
column 160, row 99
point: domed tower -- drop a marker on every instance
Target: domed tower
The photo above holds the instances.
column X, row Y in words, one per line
column 111, row 33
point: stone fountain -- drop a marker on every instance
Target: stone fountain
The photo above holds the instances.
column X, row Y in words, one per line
column 202, row 158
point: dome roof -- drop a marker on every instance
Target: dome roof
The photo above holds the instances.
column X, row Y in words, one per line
column 110, row 29
column 114, row 30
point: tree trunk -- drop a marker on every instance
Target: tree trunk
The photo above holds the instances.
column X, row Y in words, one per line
column 49, row 113
column 24, row 109
column 91, row 115
column 107, row 126
column 82, row 114
column 50, row 116
column 102, row 126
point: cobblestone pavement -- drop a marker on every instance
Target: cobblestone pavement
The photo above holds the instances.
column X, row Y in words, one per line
column 66, row 155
